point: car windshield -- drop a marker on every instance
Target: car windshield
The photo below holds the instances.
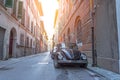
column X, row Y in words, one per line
column 69, row 45
column 72, row 46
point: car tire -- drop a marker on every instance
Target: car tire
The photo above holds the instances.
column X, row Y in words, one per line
column 84, row 65
column 56, row 64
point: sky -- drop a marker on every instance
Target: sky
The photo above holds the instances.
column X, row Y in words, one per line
column 49, row 7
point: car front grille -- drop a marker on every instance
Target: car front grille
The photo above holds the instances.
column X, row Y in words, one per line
column 76, row 55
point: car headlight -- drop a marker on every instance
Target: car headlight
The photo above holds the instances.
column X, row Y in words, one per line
column 60, row 56
column 83, row 56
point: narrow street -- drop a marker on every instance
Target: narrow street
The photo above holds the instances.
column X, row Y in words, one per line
column 40, row 67
column 83, row 32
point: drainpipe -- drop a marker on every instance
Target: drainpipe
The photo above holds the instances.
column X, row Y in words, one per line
column 94, row 54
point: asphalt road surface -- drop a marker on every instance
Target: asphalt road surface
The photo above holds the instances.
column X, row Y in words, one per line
column 40, row 67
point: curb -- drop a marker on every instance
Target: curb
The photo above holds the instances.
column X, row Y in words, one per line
column 98, row 73
column 109, row 75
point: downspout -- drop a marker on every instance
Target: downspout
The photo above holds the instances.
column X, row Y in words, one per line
column 92, row 14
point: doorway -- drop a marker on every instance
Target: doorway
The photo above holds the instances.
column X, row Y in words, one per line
column 12, row 43
column 2, row 34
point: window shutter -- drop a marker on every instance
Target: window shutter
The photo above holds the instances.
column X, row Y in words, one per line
column 31, row 27
column 20, row 9
column 14, row 8
column 22, row 39
column 9, row 3
column 23, row 17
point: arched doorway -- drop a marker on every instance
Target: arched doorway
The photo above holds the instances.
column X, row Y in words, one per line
column 2, row 34
column 12, row 42
column 78, row 30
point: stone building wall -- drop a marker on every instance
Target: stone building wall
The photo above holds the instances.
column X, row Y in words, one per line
column 80, row 12
column 107, row 35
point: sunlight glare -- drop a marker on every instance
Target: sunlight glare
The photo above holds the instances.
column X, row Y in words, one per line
column 49, row 7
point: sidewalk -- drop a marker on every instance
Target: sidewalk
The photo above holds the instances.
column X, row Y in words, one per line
column 13, row 61
column 107, row 74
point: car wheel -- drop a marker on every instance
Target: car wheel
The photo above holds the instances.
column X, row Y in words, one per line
column 84, row 65
column 56, row 64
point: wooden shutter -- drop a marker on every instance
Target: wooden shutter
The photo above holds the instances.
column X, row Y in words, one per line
column 23, row 17
column 20, row 9
column 14, row 8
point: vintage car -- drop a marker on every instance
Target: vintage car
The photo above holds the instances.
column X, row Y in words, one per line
column 68, row 55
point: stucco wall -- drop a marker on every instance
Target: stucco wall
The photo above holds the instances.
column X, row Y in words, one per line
column 8, row 23
column 106, row 35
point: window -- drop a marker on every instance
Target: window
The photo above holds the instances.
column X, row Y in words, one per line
column 27, row 21
column 9, row 3
column 31, row 43
column 20, row 9
column 27, row 41
column 23, row 17
column 22, row 39
column 79, row 32
column 31, row 27
column 14, row 8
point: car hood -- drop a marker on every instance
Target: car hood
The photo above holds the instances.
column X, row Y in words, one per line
column 71, row 54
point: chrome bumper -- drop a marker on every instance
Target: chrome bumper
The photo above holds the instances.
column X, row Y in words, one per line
column 72, row 61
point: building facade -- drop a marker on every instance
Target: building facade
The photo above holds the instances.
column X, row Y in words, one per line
column 77, row 18
column 73, row 24
column 106, row 21
column 20, row 28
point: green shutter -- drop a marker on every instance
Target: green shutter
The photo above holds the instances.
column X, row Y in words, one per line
column 9, row 3
column 20, row 9
column 14, row 7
